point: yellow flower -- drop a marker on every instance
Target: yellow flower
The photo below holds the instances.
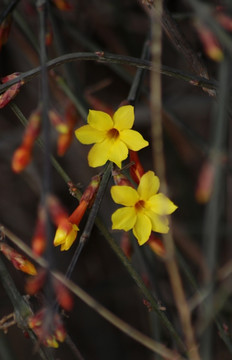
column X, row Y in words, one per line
column 65, row 234
column 144, row 210
column 112, row 137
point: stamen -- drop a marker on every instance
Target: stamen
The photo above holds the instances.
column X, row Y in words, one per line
column 113, row 134
column 140, row 205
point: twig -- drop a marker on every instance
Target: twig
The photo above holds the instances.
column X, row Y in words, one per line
column 101, row 310
column 116, row 59
column 159, row 165
column 214, row 208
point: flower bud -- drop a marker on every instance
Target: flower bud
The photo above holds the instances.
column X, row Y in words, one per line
column 136, row 169
column 19, row 261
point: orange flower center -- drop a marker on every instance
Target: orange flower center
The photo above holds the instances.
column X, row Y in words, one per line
column 113, row 134
column 139, row 206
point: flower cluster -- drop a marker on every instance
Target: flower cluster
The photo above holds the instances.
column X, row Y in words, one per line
column 66, row 232
column 145, row 210
column 48, row 327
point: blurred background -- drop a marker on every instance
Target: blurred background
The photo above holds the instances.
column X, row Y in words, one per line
column 201, row 225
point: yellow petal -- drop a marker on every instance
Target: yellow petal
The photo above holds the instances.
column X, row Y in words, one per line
column 142, row 228
column 161, row 204
column 124, row 117
column 124, row 218
column 59, row 236
column 100, row 120
column 69, row 240
column 159, row 223
column 148, row 186
column 88, row 135
column 118, row 152
column 124, row 195
column 133, row 140
column 99, row 153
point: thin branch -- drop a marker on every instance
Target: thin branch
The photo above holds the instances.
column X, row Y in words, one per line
column 103, row 57
column 101, row 310
column 159, row 165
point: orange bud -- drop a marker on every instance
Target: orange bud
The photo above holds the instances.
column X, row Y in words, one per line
column 5, row 30
column 33, row 285
column 156, row 245
column 136, row 169
column 58, row 122
column 63, row 5
column 21, row 158
column 18, row 260
column 12, row 91
column 91, row 190
column 66, row 234
column 64, row 140
column 33, row 128
column 63, row 295
column 49, row 333
column 205, row 183
column 38, row 242
column 210, row 43
column 63, row 143
column 225, row 21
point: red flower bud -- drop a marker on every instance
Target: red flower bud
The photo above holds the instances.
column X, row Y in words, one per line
column 63, row 295
column 63, row 5
column 210, row 43
column 35, row 284
column 18, row 260
column 205, row 183
column 21, row 158
column 91, row 190
column 156, row 245
column 136, row 169
column 11, row 92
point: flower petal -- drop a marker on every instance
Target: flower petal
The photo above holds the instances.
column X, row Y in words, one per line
column 148, row 186
column 118, row 152
column 161, row 204
column 124, row 195
column 99, row 153
column 69, row 240
column 88, row 135
column 100, row 120
column 124, row 117
column 133, row 139
column 124, row 218
column 142, row 228
column 159, row 223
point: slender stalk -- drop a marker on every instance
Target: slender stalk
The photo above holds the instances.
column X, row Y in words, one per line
column 214, row 208
column 159, row 164
column 91, row 219
column 106, row 58
column 21, row 308
column 101, row 310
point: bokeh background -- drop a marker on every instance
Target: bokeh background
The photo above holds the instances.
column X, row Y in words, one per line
column 189, row 123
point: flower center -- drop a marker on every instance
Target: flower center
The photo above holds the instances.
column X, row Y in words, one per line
column 139, row 206
column 113, row 134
